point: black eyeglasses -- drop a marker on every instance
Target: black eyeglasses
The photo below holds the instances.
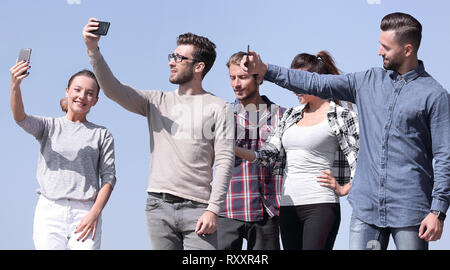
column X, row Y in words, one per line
column 179, row 58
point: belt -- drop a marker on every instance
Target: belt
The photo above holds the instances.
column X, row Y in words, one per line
column 169, row 198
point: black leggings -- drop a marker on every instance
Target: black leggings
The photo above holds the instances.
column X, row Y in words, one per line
column 309, row 227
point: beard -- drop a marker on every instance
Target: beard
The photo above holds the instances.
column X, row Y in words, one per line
column 393, row 63
column 248, row 96
column 182, row 77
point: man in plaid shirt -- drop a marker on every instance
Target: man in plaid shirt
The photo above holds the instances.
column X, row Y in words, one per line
column 251, row 208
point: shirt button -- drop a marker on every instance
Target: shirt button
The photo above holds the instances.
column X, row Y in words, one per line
column 382, row 166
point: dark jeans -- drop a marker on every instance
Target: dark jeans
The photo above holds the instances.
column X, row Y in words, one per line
column 262, row 235
column 309, row 227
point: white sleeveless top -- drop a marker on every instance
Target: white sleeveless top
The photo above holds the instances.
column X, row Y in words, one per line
column 309, row 150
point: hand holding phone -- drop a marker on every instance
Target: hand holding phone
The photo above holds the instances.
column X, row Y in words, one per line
column 103, row 28
column 24, row 55
column 255, row 76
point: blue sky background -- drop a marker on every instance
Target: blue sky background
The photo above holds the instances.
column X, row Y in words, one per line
column 141, row 35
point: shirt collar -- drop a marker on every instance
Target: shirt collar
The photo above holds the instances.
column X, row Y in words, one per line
column 410, row 75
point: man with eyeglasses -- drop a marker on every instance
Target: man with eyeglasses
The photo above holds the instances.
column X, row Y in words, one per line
column 188, row 134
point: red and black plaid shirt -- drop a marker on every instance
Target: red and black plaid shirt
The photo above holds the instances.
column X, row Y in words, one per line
column 253, row 188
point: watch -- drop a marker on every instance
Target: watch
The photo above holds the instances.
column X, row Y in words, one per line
column 441, row 216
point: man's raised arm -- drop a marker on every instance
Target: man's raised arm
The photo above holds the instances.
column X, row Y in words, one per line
column 131, row 99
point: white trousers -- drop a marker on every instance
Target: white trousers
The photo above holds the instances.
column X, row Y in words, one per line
column 55, row 222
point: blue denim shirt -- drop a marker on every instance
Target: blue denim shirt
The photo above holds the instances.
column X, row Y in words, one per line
column 404, row 125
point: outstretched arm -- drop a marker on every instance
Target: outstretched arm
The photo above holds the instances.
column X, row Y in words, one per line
column 131, row 99
column 16, row 103
column 325, row 86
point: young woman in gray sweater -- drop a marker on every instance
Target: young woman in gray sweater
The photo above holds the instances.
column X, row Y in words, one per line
column 74, row 154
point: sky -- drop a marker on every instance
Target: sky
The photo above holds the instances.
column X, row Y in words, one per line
column 141, row 35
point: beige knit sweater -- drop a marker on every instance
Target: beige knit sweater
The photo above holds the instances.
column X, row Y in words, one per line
column 188, row 134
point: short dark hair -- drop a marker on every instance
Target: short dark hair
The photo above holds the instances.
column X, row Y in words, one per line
column 204, row 49
column 407, row 29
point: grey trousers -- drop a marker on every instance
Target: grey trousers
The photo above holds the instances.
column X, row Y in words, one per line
column 171, row 226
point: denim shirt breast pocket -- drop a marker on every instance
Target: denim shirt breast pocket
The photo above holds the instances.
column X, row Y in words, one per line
column 410, row 121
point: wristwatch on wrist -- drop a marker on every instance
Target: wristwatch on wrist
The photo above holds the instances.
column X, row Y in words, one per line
column 441, row 216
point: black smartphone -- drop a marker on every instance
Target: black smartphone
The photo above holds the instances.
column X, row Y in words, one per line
column 248, row 55
column 255, row 76
column 102, row 28
column 24, row 55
